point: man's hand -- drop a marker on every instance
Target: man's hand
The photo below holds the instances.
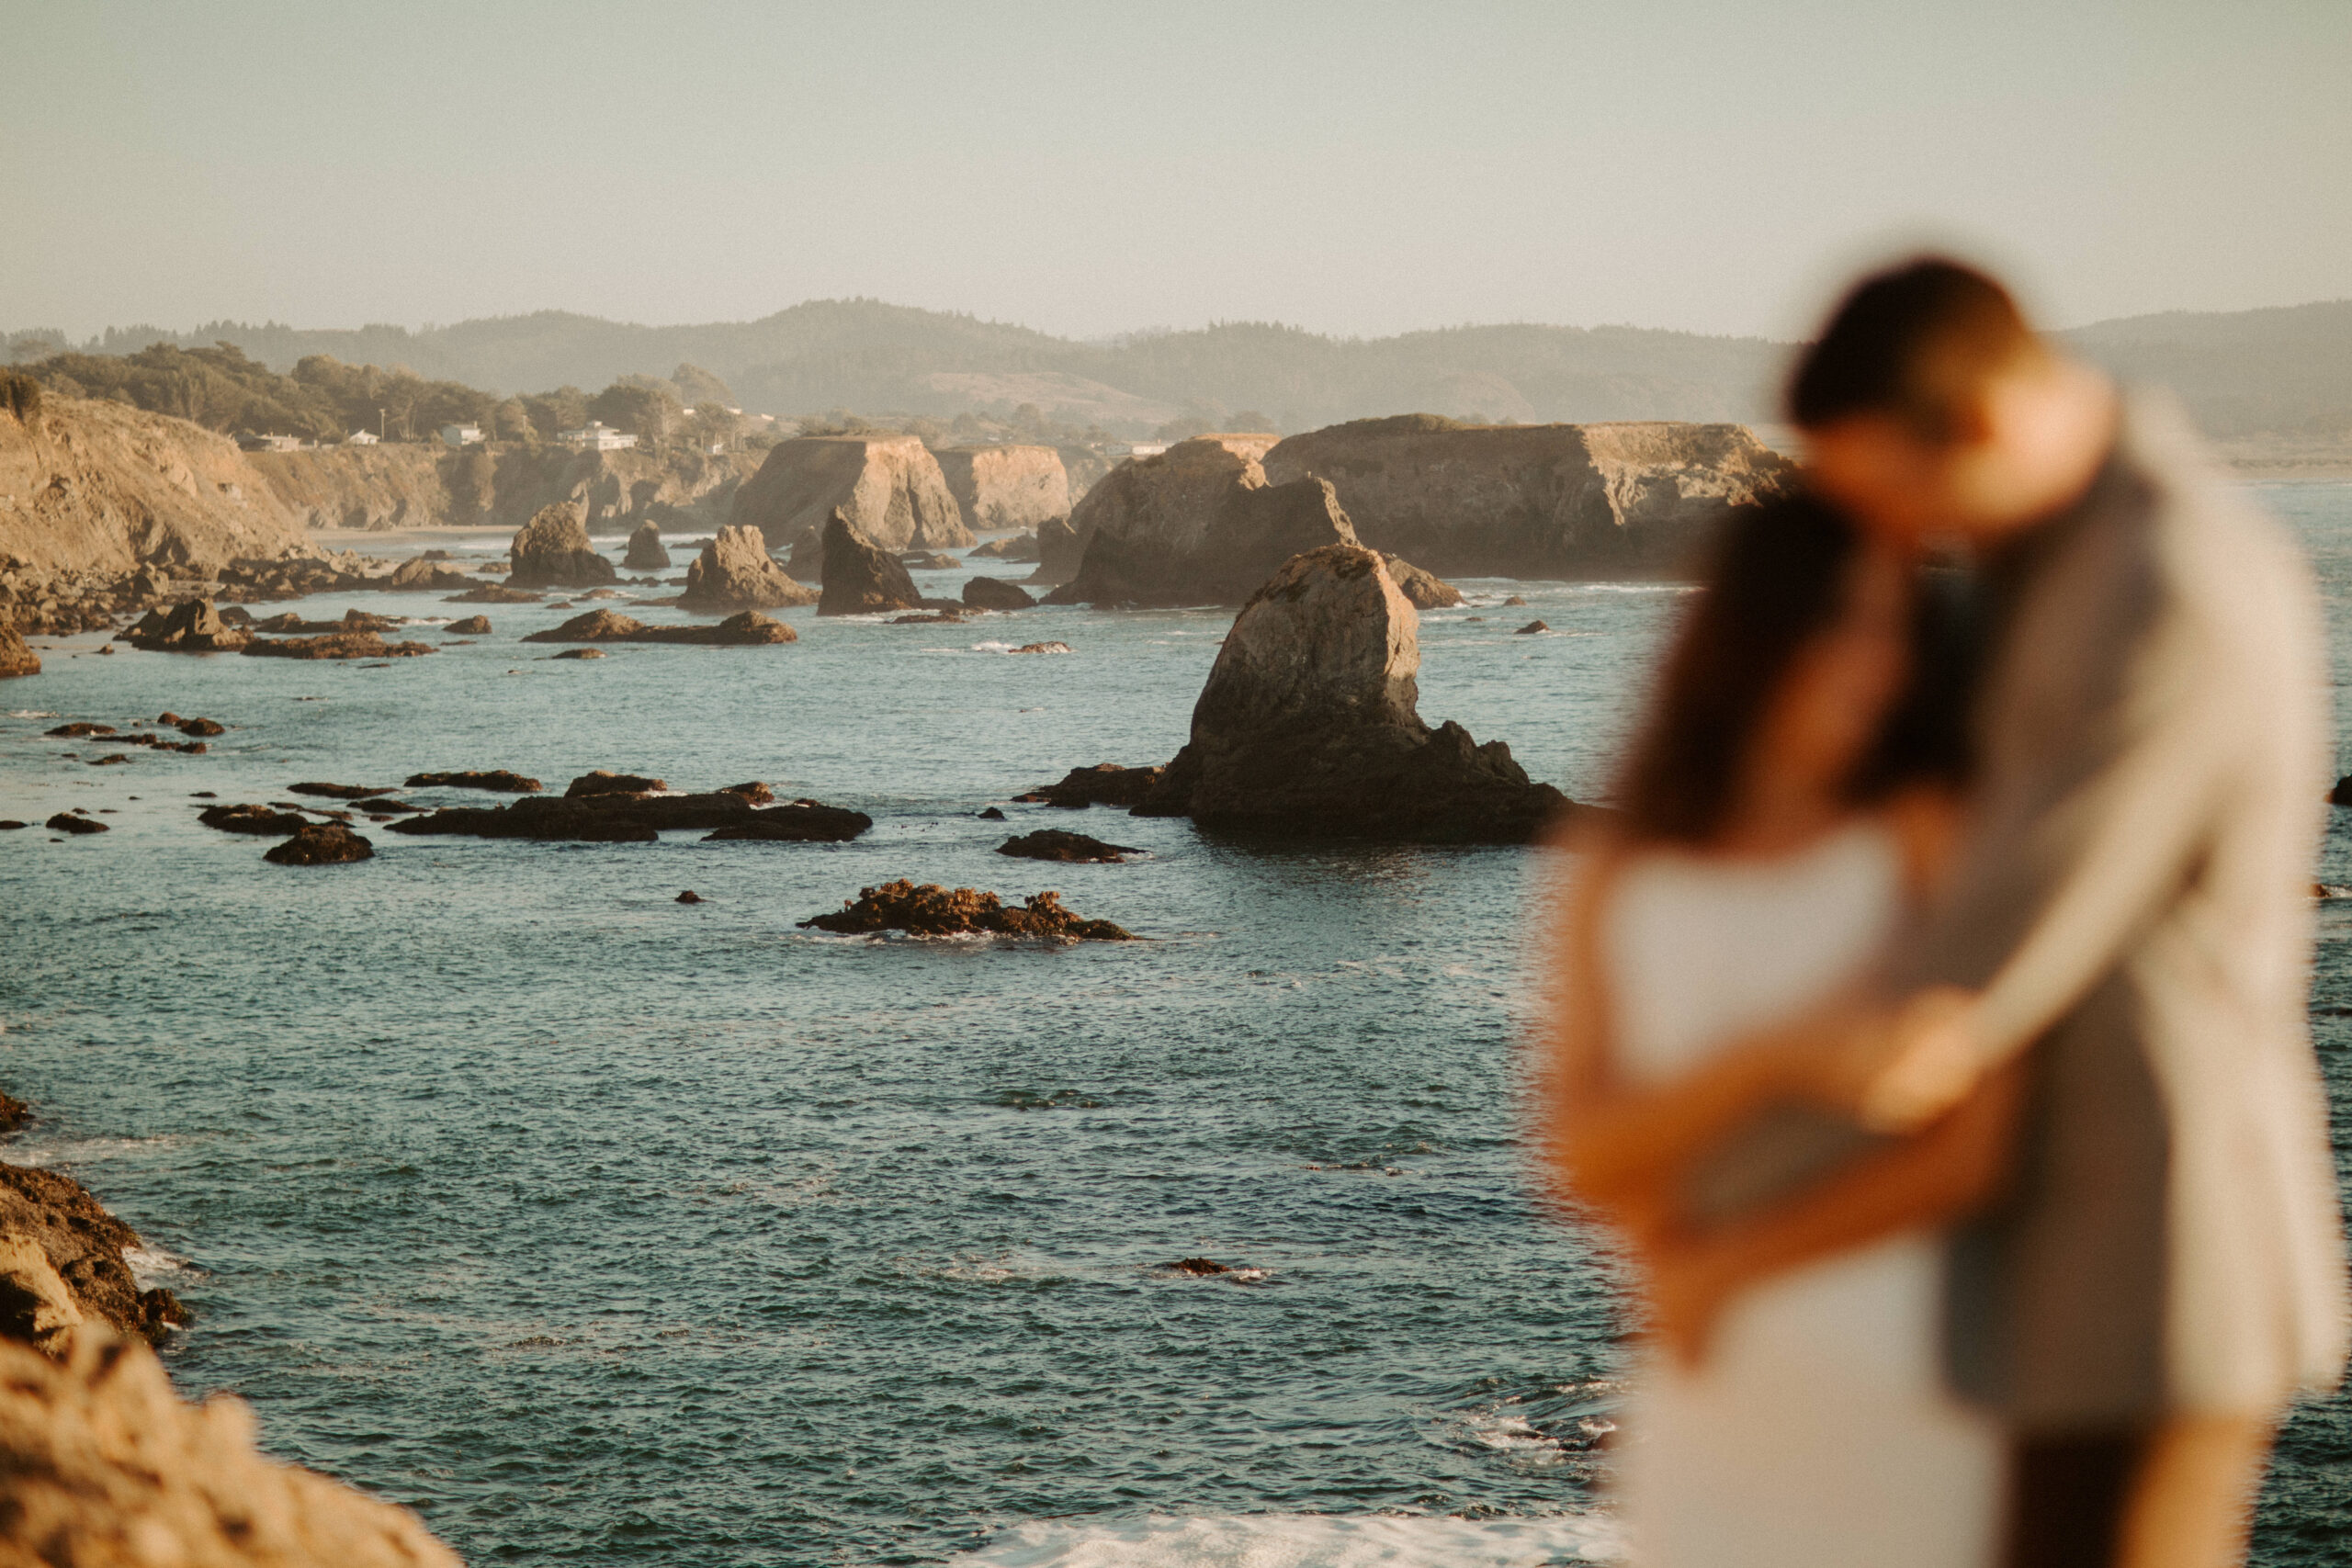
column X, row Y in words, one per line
column 1930, row 1063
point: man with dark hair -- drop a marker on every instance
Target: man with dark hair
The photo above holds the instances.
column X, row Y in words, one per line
column 2129, row 917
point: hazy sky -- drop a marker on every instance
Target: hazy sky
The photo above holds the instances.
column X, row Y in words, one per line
column 1094, row 168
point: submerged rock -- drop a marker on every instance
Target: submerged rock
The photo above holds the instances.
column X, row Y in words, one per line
column 552, row 551
column 932, row 910
column 799, row 822
column 603, row 781
column 16, row 655
column 639, row 819
column 1310, row 725
column 1638, row 497
column 498, row 780
column 1197, row 524
column 1052, row 843
column 250, row 818
column 1044, row 648
column 79, row 727
column 862, row 577
column 734, row 572
column 193, row 726
column 1006, row 486
column 74, row 822
column 107, row 1469
column 492, row 594
column 1531, row 629
column 1105, row 783
column 191, row 627
column 645, row 552
column 338, row 645
column 322, row 843
column 995, row 593
column 689, row 896
column 888, row 485
column 749, row 629
column 472, row 625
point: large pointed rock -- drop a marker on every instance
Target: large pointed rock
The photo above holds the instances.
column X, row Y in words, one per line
column 735, row 572
column 1197, row 524
column 861, row 577
column 552, row 551
column 888, row 484
column 1310, row 724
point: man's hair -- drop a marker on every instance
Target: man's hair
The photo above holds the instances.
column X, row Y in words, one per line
column 1910, row 342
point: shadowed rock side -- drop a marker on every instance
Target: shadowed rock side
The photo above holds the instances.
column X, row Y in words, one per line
column 1172, row 495
column 1196, row 525
column 62, row 1266
column 107, row 1469
column 932, row 910
column 17, row 656
column 861, row 577
column 1310, row 725
column 552, row 551
column 1006, row 487
column 888, row 485
column 645, row 552
column 750, row 629
column 1577, row 501
column 734, row 572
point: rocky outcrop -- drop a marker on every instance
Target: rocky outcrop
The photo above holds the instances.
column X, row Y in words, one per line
column 17, row 656
column 995, row 593
column 337, row 645
column 795, row 822
column 932, row 910
column 888, row 485
column 107, row 1469
column 62, row 1266
column 645, row 552
column 194, row 626
column 749, row 629
column 552, row 551
column 1573, row 500
column 322, row 843
column 1105, row 783
column 1423, row 590
column 861, row 577
column 1053, row 843
column 1310, row 725
column 77, row 820
column 1197, row 524
column 1006, row 487
column 735, row 572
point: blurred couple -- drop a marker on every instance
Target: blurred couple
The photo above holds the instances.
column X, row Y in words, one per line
column 1930, row 1017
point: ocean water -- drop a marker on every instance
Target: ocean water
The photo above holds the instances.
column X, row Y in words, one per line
column 602, row 1229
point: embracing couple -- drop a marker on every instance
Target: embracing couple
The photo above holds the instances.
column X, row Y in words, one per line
column 1931, row 1017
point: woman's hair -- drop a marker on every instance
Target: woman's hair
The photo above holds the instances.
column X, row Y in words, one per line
column 1778, row 578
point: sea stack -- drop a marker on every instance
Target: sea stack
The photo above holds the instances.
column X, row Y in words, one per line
column 1197, row 524
column 552, row 551
column 192, row 625
column 1009, row 487
column 861, row 577
column 1637, row 498
column 735, row 572
column 887, row 484
column 1310, row 724
column 645, row 550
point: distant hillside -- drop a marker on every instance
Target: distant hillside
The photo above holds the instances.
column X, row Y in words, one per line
column 2276, row 376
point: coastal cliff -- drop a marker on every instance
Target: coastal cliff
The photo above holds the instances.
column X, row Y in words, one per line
column 1571, row 501
column 890, row 486
column 1006, row 488
column 503, row 487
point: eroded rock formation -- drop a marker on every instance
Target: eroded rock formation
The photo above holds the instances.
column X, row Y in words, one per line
column 1575, row 500
column 862, row 577
column 735, row 572
column 552, row 551
column 645, row 552
column 1006, row 487
column 888, row 485
column 1310, row 725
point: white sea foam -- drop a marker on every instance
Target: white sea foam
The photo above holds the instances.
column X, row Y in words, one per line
column 83, row 1150
column 1303, row 1540
column 150, row 1266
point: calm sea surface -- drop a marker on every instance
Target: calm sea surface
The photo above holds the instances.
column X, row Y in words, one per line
column 604, row 1229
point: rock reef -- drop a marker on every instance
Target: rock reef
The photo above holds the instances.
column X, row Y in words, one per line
column 750, row 629
column 735, row 572
column 552, row 551
column 628, row 818
column 500, row 781
column 1575, row 500
column 1310, row 725
column 888, row 485
column 932, row 910
column 1006, row 487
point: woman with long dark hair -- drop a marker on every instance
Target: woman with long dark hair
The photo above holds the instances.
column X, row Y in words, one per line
column 1786, row 806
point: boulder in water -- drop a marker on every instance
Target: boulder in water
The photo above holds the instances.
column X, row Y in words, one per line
column 260, row 820
column 322, row 843
column 74, row 822
column 190, row 626
column 1105, row 783
column 1052, row 843
column 1310, row 725
column 498, row 781
column 603, row 781
column 747, row 629
column 932, row 910
column 795, row 822
column 645, row 550
column 861, row 577
column 471, row 626
column 995, row 593
column 734, row 572
column 552, row 551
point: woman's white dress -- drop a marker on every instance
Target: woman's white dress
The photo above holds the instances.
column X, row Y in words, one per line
column 1818, row 1433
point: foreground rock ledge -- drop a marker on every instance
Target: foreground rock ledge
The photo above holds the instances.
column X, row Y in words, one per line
column 1310, row 725
column 107, row 1469
column 932, row 910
